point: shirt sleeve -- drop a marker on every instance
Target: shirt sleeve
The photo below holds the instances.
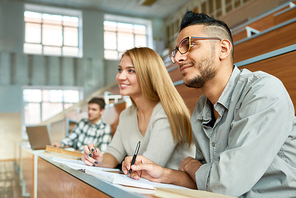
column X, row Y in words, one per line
column 69, row 140
column 106, row 138
column 262, row 121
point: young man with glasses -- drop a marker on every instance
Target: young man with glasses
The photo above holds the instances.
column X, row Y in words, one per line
column 243, row 125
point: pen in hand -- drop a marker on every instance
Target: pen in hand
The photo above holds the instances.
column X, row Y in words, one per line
column 97, row 145
column 135, row 155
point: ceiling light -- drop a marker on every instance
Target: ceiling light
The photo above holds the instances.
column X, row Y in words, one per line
column 147, row 2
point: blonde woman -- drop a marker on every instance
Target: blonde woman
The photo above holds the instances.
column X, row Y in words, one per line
column 158, row 117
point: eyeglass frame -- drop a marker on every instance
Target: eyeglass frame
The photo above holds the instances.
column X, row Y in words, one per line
column 172, row 57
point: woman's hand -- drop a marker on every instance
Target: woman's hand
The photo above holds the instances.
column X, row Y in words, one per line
column 94, row 158
column 143, row 168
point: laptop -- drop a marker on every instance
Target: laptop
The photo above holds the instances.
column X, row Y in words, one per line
column 38, row 137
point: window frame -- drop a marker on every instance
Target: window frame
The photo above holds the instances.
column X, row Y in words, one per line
column 61, row 12
column 128, row 20
column 80, row 89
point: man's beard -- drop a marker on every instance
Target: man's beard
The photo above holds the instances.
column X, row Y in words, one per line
column 206, row 73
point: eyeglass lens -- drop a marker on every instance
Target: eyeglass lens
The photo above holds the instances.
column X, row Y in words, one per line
column 184, row 46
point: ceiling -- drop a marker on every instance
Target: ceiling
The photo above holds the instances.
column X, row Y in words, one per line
column 159, row 9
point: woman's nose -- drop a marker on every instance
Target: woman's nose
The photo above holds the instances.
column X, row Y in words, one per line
column 122, row 75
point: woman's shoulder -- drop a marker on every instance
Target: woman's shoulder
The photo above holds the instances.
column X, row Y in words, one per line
column 158, row 112
column 128, row 111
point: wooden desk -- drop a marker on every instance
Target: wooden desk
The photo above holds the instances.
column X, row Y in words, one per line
column 40, row 177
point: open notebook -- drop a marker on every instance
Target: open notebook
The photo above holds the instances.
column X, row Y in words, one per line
column 125, row 180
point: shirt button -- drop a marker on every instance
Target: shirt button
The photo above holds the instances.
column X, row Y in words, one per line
column 213, row 144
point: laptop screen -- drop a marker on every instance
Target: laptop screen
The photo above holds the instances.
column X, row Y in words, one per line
column 38, row 137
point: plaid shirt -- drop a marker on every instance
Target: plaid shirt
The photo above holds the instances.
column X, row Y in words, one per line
column 85, row 133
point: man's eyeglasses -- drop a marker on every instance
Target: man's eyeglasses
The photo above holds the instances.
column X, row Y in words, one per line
column 185, row 44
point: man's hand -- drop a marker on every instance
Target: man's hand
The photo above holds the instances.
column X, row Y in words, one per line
column 57, row 144
column 190, row 165
column 154, row 172
column 93, row 159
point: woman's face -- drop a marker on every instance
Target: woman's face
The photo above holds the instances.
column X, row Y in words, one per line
column 127, row 78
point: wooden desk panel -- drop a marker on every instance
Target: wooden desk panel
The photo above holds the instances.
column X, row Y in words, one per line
column 57, row 183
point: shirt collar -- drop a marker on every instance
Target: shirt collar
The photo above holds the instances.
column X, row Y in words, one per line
column 226, row 95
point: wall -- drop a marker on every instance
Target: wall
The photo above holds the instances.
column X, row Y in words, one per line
column 10, row 120
column 18, row 69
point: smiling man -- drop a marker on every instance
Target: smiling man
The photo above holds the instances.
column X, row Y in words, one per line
column 243, row 125
column 91, row 130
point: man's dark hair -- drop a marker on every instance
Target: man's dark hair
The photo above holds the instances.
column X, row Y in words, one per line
column 212, row 27
column 99, row 101
column 192, row 18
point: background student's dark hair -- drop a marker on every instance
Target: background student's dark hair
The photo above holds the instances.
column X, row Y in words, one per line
column 99, row 101
column 192, row 18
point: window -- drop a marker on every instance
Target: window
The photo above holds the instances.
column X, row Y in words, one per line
column 41, row 104
column 124, row 34
column 52, row 34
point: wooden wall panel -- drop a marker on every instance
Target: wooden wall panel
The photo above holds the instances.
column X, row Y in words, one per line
column 285, row 16
column 175, row 75
column 239, row 36
column 265, row 43
column 189, row 95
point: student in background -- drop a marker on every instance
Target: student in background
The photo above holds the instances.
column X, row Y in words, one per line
column 158, row 117
column 244, row 124
column 91, row 130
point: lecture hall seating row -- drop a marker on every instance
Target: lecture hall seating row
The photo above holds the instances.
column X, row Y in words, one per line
column 265, row 21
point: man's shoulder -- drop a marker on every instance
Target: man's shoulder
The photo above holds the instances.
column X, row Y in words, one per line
column 249, row 76
column 84, row 121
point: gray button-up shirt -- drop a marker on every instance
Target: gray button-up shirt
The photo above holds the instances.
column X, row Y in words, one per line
column 250, row 150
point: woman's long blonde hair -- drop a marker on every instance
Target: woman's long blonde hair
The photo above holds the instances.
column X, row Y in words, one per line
column 156, row 85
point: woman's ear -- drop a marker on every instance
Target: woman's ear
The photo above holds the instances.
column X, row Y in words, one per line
column 225, row 49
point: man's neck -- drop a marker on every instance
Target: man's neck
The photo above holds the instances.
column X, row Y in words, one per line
column 215, row 87
column 94, row 121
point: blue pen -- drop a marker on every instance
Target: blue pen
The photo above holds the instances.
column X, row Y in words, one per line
column 135, row 155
